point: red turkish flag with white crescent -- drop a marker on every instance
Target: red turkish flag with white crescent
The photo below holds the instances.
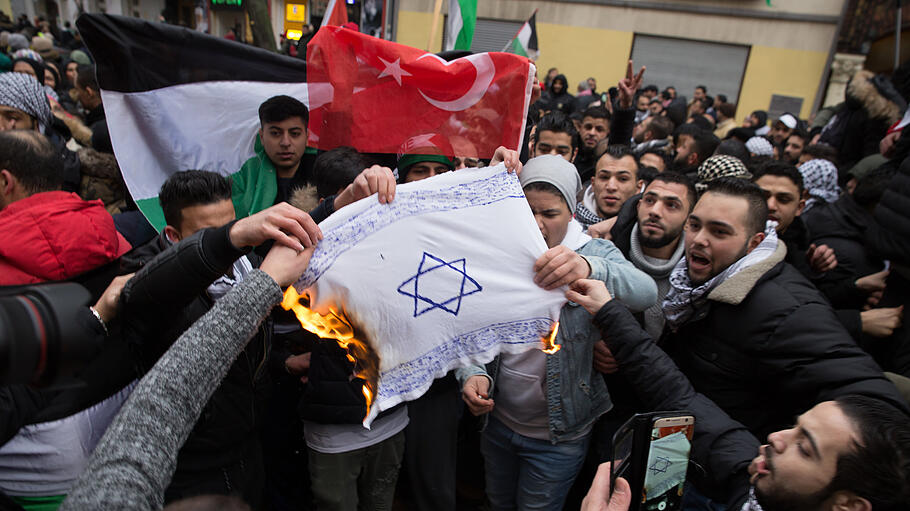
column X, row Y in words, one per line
column 374, row 95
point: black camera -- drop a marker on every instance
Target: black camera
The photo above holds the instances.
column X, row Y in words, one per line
column 45, row 332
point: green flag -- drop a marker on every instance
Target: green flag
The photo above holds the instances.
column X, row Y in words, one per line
column 461, row 22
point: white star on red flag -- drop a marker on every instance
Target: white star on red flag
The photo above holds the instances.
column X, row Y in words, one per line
column 393, row 69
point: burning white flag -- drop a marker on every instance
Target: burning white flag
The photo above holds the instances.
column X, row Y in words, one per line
column 440, row 278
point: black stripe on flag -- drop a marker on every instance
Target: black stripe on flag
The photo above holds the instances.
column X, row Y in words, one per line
column 133, row 55
column 532, row 41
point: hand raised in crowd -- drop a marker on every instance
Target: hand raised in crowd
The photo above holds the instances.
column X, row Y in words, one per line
column 821, row 258
column 375, row 179
column 602, row 229
column 283, row 223
column 109, row 304
column 604, row 361
column 599, row 498
column 882, row 322
column 476, row 394
column 590, row 294
column 560, row 266
column 629, row 85
column 886, row 146
column 872, row 283
column 299, row 365
column 509, row 157
column 285, row 265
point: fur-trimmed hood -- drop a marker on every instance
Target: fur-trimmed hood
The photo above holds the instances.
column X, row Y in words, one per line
column 862, row 90
column 735, row 289
column 304, row 198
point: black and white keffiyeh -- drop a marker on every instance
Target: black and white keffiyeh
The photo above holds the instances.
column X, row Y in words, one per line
column 23, row 92
column 718, row 166
column 820, row 180
column 684, row 299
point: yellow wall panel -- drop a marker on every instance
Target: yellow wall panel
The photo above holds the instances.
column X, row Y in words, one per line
column 580, row 52
column 414, row 30
column 780, row 71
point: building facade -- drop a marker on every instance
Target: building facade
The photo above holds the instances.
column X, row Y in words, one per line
column 761, row 57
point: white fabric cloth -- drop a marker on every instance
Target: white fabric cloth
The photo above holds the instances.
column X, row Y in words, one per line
column 440, row 278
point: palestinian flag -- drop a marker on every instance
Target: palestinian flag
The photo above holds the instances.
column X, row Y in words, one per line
column 176, row 99
column 525, row 41
column 461, row 22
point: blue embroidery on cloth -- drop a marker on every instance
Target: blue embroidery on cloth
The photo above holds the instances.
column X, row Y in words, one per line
column 408, row 378
column 411, row 287
column 342, row 238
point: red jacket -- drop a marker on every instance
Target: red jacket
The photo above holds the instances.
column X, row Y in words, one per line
column 55, row 236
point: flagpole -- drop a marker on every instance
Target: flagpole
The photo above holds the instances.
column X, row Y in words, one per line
column 437, row 10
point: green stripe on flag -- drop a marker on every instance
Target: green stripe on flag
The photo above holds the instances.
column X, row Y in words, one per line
column 517, row 48
column 468, row 22
column 151, row 208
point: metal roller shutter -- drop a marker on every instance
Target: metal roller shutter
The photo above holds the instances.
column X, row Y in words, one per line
column 491, row 35
column 686, row 63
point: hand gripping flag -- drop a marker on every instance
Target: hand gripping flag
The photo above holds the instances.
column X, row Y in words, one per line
column 375, row 95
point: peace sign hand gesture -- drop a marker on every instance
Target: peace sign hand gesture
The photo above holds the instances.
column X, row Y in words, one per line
column 629, row 85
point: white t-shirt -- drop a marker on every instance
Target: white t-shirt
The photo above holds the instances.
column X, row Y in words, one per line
column 337, row 438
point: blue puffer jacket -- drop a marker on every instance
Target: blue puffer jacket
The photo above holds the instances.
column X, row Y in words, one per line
column 576, row 394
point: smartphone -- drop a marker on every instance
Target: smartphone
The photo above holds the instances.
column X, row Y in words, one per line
column 651, row 451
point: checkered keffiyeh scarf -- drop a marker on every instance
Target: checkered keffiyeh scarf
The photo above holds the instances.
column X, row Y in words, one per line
column 716, row 167
column 23, row 92
column 759, row 146
column 684, row 298
column 820, row 180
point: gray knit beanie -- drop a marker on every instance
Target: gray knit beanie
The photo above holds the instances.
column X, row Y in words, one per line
column 556, row 171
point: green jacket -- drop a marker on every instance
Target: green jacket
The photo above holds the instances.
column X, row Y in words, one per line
column 255, row 186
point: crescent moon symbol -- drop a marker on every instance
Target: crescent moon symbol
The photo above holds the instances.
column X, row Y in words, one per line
column 485, row 71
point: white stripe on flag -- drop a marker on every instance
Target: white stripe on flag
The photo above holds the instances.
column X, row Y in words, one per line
column 456, row 23
column 205, row 126
column 524, row 35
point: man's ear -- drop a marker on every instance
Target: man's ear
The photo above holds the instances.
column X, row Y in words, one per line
column 692, row 159
column 172, row 234
column 574, row 154
column 849, row 501
column 754, row 241
column 8, row 183
column 640, row 184
column 801, row 207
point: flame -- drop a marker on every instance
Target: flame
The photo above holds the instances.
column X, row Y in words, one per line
column 549, row 342
column 336, row 326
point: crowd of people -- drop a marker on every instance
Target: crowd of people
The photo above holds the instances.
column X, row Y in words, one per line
column 753, row 273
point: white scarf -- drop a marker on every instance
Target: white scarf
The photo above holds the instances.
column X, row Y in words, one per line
column 684, row 298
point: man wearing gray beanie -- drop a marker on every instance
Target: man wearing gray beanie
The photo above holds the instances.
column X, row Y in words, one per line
column 555, row 426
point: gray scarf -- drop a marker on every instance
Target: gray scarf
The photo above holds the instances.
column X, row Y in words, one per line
column 656, row 271
column 684, row 299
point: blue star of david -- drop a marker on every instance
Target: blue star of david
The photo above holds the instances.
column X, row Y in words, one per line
column 660, row 465
column 451, row 300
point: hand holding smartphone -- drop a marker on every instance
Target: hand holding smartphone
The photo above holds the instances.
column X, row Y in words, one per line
column 651, row 451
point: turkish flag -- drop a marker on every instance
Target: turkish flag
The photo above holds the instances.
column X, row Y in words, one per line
column 336, row 13
column 374, row 95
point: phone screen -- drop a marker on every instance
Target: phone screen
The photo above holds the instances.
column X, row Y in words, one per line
column 665, row 472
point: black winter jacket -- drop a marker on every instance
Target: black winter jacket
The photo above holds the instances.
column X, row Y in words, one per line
column 166, row 296
column 767, row 346
column 722, row 448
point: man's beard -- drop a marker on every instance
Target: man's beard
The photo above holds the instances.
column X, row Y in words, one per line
column 659, row 242
column 785, row 499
